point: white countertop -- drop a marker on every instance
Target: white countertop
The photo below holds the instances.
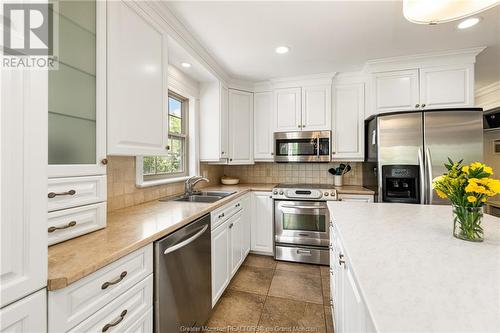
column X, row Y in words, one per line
column 414, row 275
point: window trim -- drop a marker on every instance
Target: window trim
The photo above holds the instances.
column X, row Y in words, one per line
column 168, row 178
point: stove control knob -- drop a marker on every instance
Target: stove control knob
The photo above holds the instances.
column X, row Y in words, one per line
column 332, row 194
column 326, row 194
column 281, row 192
column 275, row 192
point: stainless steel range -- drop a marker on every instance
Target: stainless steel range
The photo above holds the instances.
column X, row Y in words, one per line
column 301, row 222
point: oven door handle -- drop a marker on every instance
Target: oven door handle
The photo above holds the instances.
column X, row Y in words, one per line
column 304, row 207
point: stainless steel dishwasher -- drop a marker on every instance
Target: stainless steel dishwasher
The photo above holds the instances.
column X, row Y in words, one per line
column 183, row 287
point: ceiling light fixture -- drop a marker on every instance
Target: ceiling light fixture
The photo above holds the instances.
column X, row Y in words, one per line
column 434, row 11
column 467, row 23
column 185, row 64
column 282, row 49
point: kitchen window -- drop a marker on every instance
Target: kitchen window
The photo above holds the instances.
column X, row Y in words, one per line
column 174, row 165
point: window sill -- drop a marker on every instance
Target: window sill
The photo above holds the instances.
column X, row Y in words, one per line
column 148, row 183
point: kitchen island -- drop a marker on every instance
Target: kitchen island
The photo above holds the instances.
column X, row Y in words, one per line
column 397, row 268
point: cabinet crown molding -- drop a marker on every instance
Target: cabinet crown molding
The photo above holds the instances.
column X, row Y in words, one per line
column 430, row 59
column 302, row 81
column 488, row 97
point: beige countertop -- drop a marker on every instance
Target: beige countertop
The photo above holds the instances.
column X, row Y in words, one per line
column 353, row 189
column 127, row 230
column 131, row 228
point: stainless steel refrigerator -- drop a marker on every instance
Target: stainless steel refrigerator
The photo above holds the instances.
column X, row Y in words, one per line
column 406, row 151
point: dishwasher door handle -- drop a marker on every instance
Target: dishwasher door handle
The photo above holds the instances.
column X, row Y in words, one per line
column 185, row 242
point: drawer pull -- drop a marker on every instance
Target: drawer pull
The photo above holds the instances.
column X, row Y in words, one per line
column 115, row 281
column 237, row 205
column 54, row 194
column 221, row 215
column 116, row 322
column 69, row 225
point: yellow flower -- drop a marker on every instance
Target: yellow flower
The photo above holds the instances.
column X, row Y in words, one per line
column 488, row 169
column 465, row 169
column 441, row 194
column 484, row 199
column 471, row 199
column 476, row 165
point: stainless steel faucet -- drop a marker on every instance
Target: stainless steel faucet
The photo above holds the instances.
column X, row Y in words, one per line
column 191, row 182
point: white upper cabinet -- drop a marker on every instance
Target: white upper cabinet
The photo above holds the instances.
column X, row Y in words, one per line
column 77, row 92
column 447, row 86
column 316, row 108
column 395, row 91
column 240, row 127
column 137, row 81
column 23, row 175
column 214, row 122
column 422, row 82
column 287, row 111
column 263, row 126
column 224, row 121
column 348, row 121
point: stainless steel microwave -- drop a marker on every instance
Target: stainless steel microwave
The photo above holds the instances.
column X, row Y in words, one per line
column 304, row 146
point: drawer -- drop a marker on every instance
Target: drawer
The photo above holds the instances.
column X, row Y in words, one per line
column 75, row 191
column 70, row 306
column 70, row 223
column 221, row 214
column 124, row 312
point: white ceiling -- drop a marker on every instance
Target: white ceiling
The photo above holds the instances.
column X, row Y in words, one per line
column 334, row 36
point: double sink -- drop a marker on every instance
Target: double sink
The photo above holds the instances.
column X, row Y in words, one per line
column 202, row 196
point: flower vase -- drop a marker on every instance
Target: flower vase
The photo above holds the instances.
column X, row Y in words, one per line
column 467, row 223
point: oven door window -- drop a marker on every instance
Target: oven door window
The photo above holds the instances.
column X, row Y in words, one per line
column 304, row 222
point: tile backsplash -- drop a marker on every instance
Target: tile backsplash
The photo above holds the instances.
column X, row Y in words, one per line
column 313, row 173
column 122, row 191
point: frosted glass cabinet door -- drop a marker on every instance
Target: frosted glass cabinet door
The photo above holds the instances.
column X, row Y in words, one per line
column 76, row 91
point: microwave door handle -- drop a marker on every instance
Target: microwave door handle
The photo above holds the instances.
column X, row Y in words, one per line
column 317, row 148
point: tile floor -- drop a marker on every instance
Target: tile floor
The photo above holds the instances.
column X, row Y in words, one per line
column 273, row 296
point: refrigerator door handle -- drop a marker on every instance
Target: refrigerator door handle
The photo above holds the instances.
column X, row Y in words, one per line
column 428, row 162
column 423, row 192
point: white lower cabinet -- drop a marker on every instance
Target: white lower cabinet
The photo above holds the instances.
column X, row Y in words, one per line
column 102, row 297
column 355, row 197
column 246, row 216
column 230, row 243
column 236, row 237
column 349, row 309
column 262, row 223
column 27, row 315
column 220, row 260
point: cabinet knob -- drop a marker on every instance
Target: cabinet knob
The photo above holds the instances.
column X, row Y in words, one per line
column 298, row 126
column 230, row 160
column 417, row 105
column 104, row 161
column 167, row 147
column 423, row 105
column 341, row 259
